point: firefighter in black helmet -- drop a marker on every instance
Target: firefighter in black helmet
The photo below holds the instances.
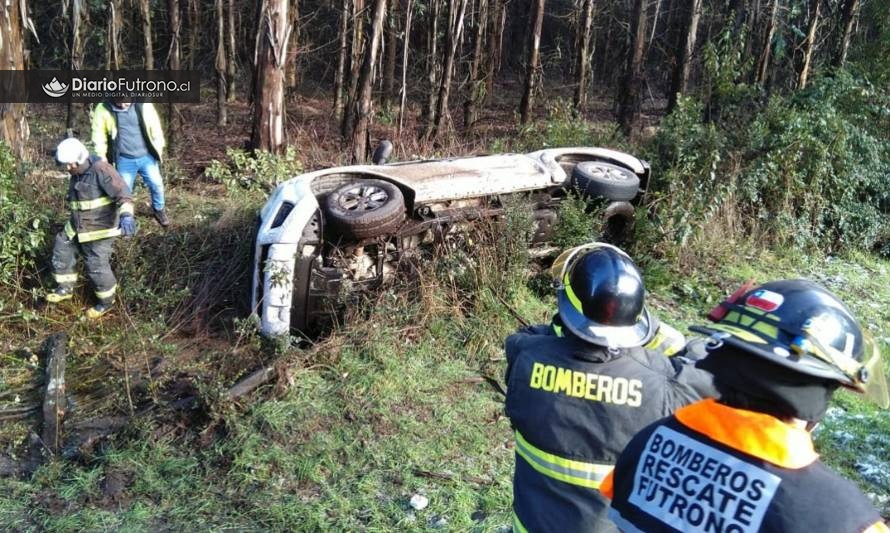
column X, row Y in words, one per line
column 580, row 388
column 746, row 462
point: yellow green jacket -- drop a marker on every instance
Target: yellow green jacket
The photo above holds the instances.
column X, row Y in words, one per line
column 104, row 130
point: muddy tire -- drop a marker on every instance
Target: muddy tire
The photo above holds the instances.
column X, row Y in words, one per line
column 604, row 180
column 365, row 209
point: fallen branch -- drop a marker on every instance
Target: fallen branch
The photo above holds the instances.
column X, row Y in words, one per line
column 54, row 393
column 251, row 383
column 452, row 477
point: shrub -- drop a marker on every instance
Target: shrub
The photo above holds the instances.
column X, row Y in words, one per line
column 260, row 171
column 23, row 224
column 808, row 170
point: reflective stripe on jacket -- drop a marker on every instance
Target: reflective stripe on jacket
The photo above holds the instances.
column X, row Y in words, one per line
column 97, row 197
column 104, row 130
column 573, row 407
column 711, row 467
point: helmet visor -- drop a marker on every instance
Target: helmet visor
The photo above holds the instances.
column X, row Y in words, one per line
column 875, row 388
column 563, row 263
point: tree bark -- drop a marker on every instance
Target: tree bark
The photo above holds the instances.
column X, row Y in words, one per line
column 631, row 100
column 271, row 54
column 767, row 50
column 456, row 11
column 390, row 56
column 13, row 123
column 495, row 45
column 231, row 52
column 584, row 52
column 533, row 68
column 809, row 44
column 145, row 10
column 194, row 30
column 680, row 78
column 114, row 59
column 220, row 65
column 175, row 35
column 476, row 92
column 403, row 93
column 433, row 63
column 78, row 14
column 362, row 107
column 340, row 76
column 848, row 15
column 294, row 48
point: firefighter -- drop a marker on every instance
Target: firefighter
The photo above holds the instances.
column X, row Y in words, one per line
column 101, row 209
column 746, row 462
column 580, row 388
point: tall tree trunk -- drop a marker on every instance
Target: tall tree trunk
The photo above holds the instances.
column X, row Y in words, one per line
column 195, row 29
column 294, row 49
column 848, row 15
column 391, row 54
column 232, row 52
column 403, row 93
column 533, row 68
column 78, row 16
column 495, row 45
column 433, row 64
column 271, row 53
column 584, row 52
column 113, row 59
column 145, row 11
column 630, row 100
column 680, row 78
column 362, row 107
column 809, row 44
column 767, row 50
column 219, row 64
column 355, row 60
column 456, row 11
column 340, row 75
column 476, row 92
column 175, row 54
column 13, row 123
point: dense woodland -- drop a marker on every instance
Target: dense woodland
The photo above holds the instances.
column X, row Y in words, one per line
column 444, row 60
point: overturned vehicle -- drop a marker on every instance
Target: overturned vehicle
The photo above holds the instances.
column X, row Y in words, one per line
column 347, row 228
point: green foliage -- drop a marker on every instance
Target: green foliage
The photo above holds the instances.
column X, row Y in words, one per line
column 575, row 225
column 23, row 224
column 562, row 128
column 259, row 171
column 807, row 170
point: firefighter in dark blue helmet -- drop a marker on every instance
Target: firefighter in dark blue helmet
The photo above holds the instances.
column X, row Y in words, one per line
column 746, row 463
column 580, row 388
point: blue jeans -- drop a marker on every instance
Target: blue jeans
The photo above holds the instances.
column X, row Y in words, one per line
column 147, row 167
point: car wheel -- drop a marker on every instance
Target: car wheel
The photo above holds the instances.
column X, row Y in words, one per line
column 598, row 179
column 366, row 208
column 618, row 223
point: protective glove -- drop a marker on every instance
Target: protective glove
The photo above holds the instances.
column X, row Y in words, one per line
column 127, row 225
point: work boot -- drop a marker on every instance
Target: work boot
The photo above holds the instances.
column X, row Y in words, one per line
column 98, row 310
column 61, row 293
column 161, row 217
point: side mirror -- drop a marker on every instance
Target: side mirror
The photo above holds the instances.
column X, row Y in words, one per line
column 382, row 153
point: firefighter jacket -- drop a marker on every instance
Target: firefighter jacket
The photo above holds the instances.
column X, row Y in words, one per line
column 97, row 197
column 104, row 130
column 714, row 468
column 573, row 407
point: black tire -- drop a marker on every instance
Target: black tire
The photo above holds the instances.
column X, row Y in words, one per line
column 365, row 208
column 605, row 180
column 618, row 223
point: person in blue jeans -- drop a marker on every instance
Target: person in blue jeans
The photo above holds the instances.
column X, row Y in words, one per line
column 131, row 136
